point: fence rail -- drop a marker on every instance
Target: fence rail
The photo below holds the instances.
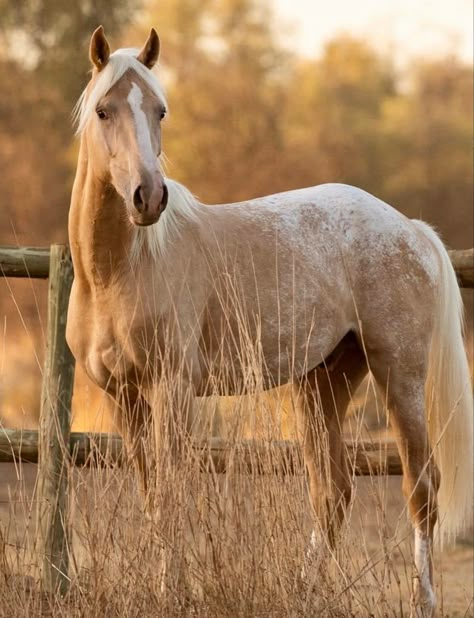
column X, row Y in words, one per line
column 54, row 447
column 26, row 262
column 275, row 457
column 33, row 262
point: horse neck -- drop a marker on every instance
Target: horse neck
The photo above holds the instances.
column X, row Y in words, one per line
column 99, row 234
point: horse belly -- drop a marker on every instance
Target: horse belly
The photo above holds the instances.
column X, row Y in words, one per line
column 239, row 356
column 299, row 345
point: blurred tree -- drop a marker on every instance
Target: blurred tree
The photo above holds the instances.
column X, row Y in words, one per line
column 429, row 128
column 225, row 81
column 34, row 183
column 45, row 72
column 52, row 36
column 335, row 115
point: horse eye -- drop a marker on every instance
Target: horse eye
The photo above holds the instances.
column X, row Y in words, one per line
column 102, row 113
column 162, row 114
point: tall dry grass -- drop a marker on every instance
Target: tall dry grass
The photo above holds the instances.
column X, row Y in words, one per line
column 219, row 545
column 214, row 545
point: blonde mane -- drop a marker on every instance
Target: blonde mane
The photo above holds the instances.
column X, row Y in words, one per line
column 119, row 63
column 182, row 206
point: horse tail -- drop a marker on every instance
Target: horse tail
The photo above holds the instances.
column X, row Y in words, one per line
column 449, row 401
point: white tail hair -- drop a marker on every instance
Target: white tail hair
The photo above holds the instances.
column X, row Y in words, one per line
column 449, row 402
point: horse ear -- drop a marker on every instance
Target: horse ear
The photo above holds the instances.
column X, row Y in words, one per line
column 99, row 49
column 151, row 50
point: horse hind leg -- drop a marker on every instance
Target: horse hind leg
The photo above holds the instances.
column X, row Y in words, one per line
column 403, row 383
column 326, row 393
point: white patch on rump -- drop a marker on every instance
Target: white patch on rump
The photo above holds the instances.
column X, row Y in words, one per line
column 135, row 100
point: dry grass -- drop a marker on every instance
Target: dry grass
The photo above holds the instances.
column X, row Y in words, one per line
column 218, row 545
column 233, row 545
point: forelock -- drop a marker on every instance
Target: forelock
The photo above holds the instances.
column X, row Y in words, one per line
column 119, row 63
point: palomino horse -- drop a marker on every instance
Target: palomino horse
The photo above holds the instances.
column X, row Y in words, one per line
column 323, row 283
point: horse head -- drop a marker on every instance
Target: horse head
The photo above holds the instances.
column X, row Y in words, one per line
column 120, row 116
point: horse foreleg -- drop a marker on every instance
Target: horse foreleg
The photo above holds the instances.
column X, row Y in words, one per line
column 133, row 417
column 173, row 411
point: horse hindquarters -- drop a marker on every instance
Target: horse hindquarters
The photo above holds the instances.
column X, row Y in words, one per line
column 422, row 371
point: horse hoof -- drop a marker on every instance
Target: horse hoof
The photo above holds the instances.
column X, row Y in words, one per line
column 423, row 607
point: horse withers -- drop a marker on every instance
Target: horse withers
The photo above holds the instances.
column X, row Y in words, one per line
column 321, row 285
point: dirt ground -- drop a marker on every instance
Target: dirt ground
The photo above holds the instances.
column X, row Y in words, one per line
column 454, row 567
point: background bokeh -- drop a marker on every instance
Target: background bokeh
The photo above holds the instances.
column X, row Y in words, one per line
column 252, row 111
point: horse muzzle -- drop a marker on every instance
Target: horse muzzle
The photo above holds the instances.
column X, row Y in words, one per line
column 148, row 207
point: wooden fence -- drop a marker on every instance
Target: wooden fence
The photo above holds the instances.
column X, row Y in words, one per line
column 54, row 447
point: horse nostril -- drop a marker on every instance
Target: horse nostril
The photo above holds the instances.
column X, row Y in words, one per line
column 138, row 201
column 164, row 199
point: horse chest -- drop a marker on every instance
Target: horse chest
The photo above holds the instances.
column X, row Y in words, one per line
column 122, row 353
column 110, row 346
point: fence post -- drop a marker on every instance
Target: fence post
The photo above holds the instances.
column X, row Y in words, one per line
column 55, row 427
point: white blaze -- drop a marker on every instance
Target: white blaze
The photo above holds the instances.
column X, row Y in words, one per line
column 149, row 158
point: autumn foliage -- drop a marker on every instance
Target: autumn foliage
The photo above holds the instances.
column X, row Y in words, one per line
column 247, row 117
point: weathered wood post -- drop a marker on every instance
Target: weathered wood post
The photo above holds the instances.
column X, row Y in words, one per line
column 55, row 428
